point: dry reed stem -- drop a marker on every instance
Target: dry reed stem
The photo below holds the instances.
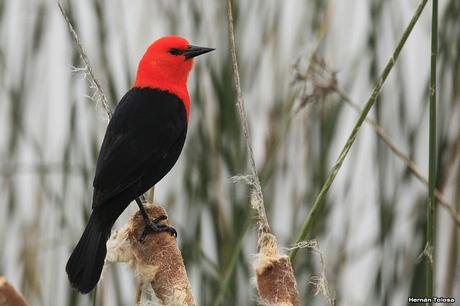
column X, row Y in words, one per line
column 99, row 94
column 321, row 81
column 275, row 278
column 9, row 296
column 157, row 261
column 403, row 157
column 257, row 195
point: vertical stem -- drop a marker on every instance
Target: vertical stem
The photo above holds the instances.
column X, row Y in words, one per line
column 262, row 221
column 319, row 201
column 93, row 81
column 432, row 156
column 151, row 195
column 94, row 296
column 230, row 269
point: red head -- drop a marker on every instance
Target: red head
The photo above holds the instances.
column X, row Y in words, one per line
column 166, row 65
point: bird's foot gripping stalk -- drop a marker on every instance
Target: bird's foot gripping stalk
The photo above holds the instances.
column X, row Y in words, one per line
column 153, row 226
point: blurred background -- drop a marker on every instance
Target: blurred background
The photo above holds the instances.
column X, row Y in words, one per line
column 372, row 230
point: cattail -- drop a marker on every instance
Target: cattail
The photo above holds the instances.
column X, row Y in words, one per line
column 9, row 296
column 157, row 260
column 275, row 279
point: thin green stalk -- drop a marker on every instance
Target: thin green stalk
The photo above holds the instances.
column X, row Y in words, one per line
column 230, row 269
column 319, row 201
column 94, row 295
column 432, row 156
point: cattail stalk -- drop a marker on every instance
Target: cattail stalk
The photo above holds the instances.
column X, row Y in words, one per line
column 275, row 279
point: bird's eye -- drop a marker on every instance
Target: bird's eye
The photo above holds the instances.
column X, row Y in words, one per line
column 175, row 51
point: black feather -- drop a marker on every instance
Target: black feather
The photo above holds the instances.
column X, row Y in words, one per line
column 84, row 266
column 142, row 143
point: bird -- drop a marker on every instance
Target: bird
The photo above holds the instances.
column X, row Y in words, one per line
column 143, row 141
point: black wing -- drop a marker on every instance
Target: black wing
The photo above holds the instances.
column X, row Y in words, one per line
column 146, row 133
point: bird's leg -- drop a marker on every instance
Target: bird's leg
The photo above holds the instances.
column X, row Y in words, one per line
column 142, row 209
column 153, row 226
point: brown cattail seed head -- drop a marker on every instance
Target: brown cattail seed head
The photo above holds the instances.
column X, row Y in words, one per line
column 156, row 260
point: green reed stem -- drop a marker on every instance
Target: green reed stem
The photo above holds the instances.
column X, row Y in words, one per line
column 432, row 156
column 319, row 201
column 231, row 266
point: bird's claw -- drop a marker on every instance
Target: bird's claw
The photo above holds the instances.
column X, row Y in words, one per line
column 160, row 218
column 153, row 226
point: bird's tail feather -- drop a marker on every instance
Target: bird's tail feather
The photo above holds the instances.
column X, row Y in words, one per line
column 84, row 266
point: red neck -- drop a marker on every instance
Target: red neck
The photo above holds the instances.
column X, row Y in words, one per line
column 164, row 75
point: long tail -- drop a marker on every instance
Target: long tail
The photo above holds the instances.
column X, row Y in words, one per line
column 84, row 266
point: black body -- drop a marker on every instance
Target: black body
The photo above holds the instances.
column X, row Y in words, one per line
column 142, row 143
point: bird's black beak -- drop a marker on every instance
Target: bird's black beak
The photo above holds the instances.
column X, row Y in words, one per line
column 193, row 51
